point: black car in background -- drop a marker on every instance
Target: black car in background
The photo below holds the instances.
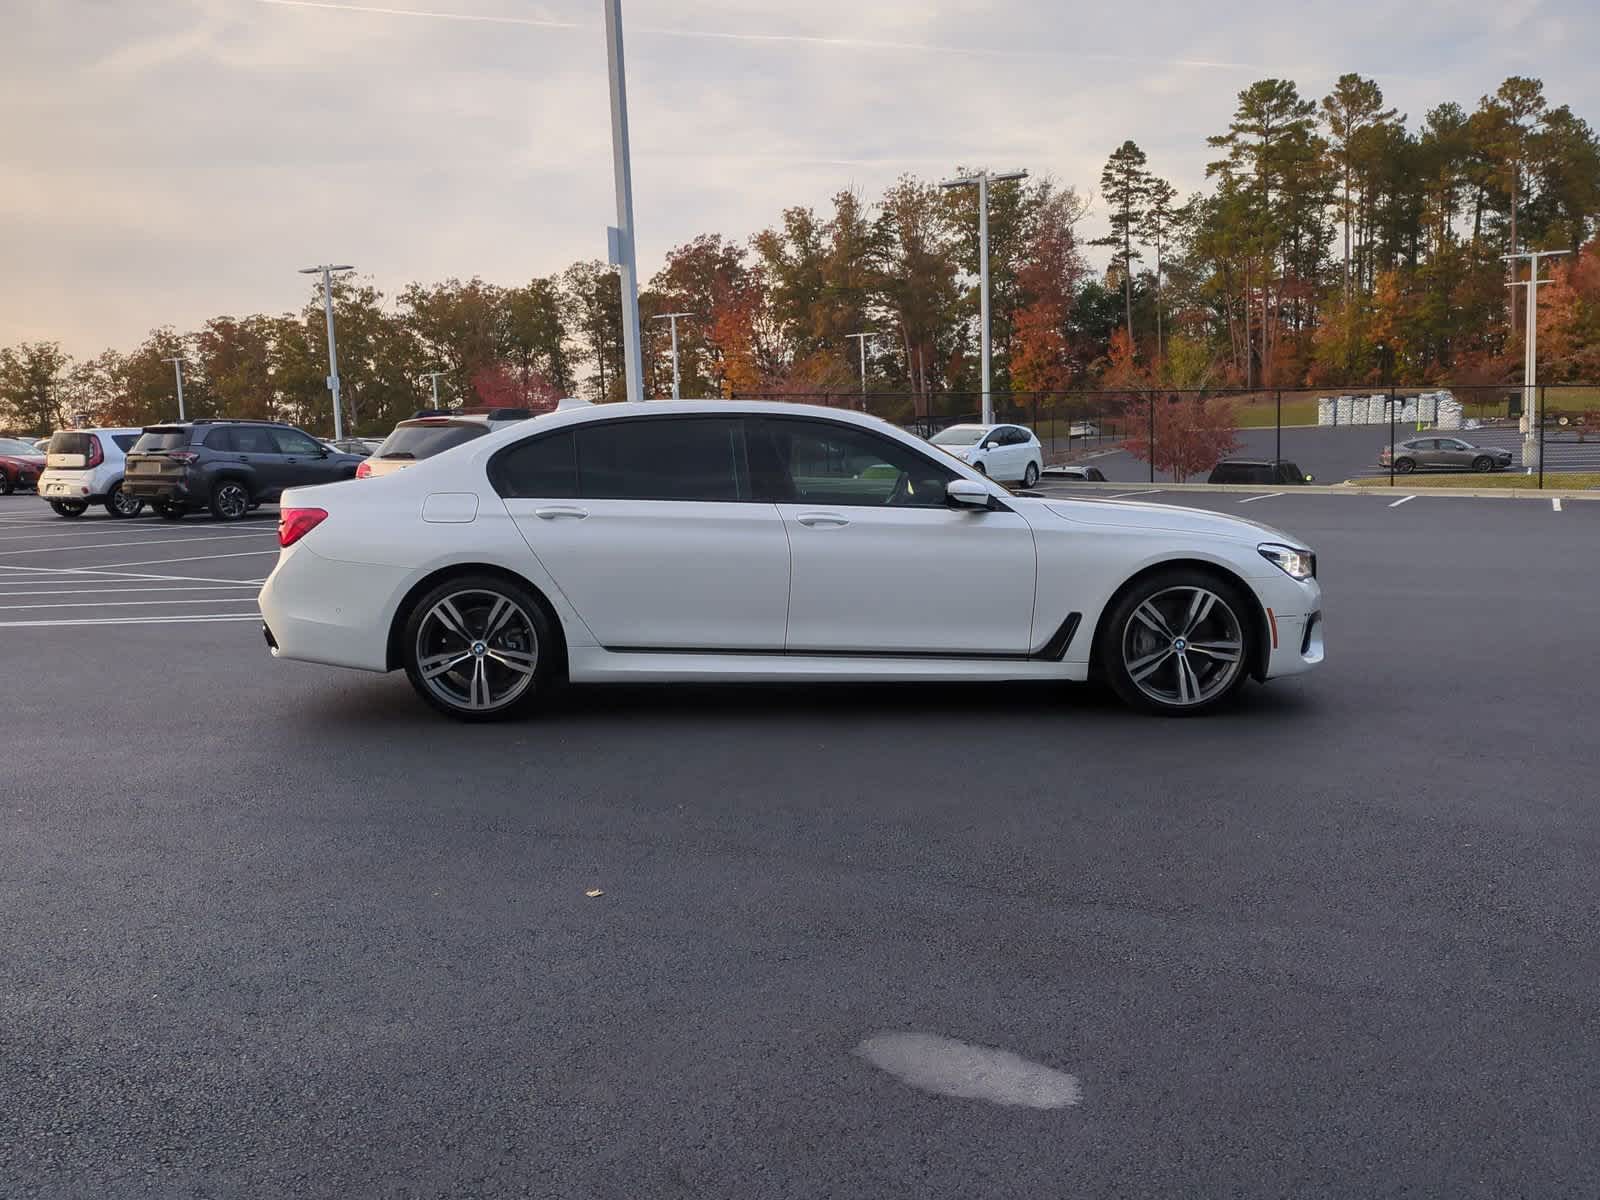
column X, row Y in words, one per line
column 1268, row 471
column 227, row 466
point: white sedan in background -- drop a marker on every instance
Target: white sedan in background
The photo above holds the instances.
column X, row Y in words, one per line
column 718, row 540
column 1008, row 453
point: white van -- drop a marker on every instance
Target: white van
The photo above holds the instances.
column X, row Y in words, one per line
column 84, row 467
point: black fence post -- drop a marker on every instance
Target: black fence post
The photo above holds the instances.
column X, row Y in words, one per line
column 1391, row 437
column 1277, row 456
column 1152, row 437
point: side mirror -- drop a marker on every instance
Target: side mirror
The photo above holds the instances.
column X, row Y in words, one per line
column 966, row 493
column 989, row 444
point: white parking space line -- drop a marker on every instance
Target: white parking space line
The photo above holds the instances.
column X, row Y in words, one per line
column 1555, row 503
column 1401, row 501
column 228, row 537
column 1124, row 495
column 150, row 562
column 134, row 591
column 124, row 603
column 1253, row 499
column 197, row 619
column 79, row 574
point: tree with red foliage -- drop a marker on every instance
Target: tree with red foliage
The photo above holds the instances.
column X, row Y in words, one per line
column 497, row 386
column 1192, row 433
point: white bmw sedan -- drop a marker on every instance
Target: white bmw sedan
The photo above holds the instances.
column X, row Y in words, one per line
column 715, row 540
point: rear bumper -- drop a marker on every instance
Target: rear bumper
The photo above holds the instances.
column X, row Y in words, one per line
column 324, row 611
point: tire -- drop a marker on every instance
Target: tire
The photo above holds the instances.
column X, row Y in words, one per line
column 980, row 468
column 170, row 512
column 69, row 508
column 120, row 504
column 1030, row 475
column 1483, row 464
column 230, row 500
column 473, row 658
column 1150, row 657
column 1404, row 466
column 6, row 484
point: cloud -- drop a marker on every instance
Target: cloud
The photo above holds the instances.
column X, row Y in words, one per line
column 176, row 159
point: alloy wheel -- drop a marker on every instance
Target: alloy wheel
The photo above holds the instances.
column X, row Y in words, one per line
column 126, row 505
column 1183, row 646
column 232, row 501
column 477, row 650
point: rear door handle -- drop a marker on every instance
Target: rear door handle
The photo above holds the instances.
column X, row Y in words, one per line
column 822, row 518
column 560, row 510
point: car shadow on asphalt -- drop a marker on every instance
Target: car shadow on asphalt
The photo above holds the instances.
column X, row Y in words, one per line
column 389, row 703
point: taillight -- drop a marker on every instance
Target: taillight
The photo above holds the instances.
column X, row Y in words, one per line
column 182, row 456
column 363, row 469
column 96, row 455
column 295, row 523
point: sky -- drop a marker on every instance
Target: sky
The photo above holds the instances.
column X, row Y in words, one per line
column 166, row 161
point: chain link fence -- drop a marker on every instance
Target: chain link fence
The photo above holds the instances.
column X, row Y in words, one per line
column 1329, row 434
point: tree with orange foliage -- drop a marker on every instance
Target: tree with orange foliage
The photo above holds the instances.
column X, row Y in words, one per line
column 496, row 385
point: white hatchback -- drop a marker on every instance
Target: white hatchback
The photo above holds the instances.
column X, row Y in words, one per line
column 1009, row 453
column 84, row 467
column 718, row 540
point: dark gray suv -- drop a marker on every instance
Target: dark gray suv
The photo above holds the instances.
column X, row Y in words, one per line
column 228, row 467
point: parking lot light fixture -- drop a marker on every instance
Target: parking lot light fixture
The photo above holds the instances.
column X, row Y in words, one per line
column 982, row 180
column 177, row 367
column 622, row 240
column 861, row 341
column 433, row 377
column 1532, row 414
column 673, row 317
column 328, row 271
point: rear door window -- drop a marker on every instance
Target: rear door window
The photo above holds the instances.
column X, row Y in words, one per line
column 674, row 458
column 221, row 439
column 250, row 439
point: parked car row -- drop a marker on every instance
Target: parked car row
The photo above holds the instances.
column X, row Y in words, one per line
column 20, row 465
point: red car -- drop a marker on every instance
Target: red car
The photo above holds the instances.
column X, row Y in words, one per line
column 20, row 465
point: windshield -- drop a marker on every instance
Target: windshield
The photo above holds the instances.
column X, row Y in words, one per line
column 152, row 441
column 13, row 446
column 960, row 435
column 424, row 441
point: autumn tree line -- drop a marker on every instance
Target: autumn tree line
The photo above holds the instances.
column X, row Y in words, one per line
column 1337, row 242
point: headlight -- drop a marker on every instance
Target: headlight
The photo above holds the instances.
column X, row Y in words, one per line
column 1295, row 563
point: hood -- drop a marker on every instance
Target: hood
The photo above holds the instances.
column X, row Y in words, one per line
column 32, row 460
column 1167, row 517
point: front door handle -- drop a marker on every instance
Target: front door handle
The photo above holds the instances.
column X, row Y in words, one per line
column 560, row 510
column 822, row 518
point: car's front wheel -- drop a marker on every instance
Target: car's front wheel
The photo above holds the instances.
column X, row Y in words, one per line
column 1178, row 643
column 1483, row 464
column 480, row 648
column 120, row 504
column 1030, row 475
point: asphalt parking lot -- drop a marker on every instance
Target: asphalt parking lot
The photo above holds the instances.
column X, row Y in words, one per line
column 269, row 929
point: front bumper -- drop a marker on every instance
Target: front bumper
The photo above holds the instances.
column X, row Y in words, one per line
column 1294, row 625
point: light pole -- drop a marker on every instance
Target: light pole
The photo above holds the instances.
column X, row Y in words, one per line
column 673, row 317
column 983, row 179
column 621, row 236
column 1530, row 357
column 328, row 272
column 861, row 341
column 177, row 368
column 434, row 377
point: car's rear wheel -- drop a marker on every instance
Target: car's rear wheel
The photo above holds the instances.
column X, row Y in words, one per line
column 120, row 504
column 1178, row 643
column 480, row 648
column 170, row 512
column 230, row 500
column 1405, row 465
column 1030, row 475
column 1483, row 464
column 69, row 508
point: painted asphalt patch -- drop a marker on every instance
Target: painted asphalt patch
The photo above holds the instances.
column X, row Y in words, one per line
column 946, row 1067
